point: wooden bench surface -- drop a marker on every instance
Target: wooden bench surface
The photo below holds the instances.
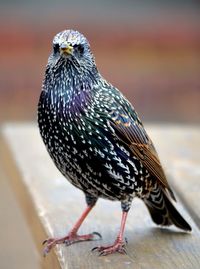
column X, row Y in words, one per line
column 52, row 205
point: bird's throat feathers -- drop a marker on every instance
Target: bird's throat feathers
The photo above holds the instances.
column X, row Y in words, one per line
column 67, row 90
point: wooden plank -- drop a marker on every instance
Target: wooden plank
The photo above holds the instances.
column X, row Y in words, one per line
column 17, row 249
column 25, row 197
column 58, row 204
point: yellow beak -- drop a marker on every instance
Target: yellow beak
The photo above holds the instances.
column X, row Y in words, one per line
column 65, row 48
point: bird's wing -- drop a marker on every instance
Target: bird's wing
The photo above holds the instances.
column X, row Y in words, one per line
column 130, row 130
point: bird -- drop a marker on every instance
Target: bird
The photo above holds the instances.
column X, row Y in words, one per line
column 97, row 141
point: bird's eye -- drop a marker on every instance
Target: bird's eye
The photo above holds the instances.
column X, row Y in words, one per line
column 56, row 48
column 79, row 48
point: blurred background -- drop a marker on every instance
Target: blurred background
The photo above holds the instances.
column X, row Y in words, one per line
column 149, row 49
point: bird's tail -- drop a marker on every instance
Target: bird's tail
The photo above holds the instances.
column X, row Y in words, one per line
column 162, row 210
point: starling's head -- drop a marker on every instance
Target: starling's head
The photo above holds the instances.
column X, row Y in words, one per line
column 72, row 47
column 69, row 42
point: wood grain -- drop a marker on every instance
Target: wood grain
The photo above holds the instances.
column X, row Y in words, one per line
column 56, row 204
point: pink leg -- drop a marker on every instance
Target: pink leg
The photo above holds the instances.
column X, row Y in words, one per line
column 72, row 237
column 119, row 244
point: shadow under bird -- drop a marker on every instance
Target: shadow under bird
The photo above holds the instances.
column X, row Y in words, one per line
column 97, row 141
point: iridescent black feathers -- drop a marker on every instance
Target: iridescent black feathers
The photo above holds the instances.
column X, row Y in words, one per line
column 93, row 133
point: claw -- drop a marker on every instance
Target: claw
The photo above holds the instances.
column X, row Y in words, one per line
column 98, row 234
column 123, row 250
column 48, row 240
column 45, row 241
column 102, row 253
column 95, row 248
column 67, row 243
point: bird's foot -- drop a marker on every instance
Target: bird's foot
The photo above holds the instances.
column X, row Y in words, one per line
column 118, row 246
column 68, row 240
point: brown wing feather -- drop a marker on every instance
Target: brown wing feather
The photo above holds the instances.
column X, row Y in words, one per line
column 134, row 135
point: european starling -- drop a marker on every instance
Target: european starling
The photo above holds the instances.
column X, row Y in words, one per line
column 96, row 140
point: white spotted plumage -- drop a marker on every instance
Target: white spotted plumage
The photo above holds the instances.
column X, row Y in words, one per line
column 96, row 139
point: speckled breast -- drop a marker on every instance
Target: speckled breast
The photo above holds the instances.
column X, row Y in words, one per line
column 103, row 168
